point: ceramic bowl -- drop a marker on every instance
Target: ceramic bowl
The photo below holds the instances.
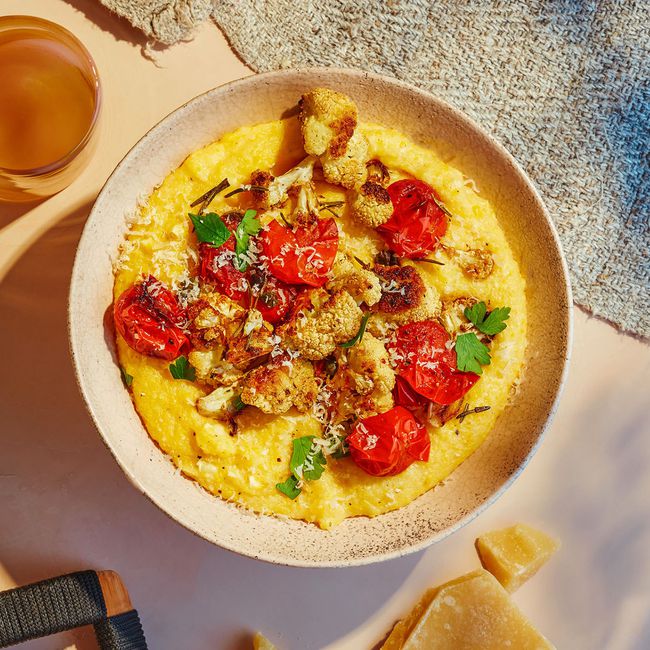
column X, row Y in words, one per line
column 480, row 479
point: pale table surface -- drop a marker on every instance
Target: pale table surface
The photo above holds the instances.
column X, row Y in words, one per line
column 65, row 505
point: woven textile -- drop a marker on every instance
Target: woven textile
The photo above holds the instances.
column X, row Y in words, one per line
column 564, row 85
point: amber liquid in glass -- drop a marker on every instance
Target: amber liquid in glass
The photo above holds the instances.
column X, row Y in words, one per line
column 46, row 101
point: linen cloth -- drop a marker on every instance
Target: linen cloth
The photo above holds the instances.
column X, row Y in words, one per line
column 562, row 84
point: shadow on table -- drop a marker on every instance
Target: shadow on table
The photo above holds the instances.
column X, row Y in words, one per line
column 65, row 505
column 110, row 22
column 11, row 211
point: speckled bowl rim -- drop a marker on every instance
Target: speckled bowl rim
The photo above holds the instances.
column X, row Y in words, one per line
column 275, row 558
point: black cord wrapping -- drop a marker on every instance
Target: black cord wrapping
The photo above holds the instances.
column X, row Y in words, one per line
column 64, row 603
column 50, row 606
column 122, row 632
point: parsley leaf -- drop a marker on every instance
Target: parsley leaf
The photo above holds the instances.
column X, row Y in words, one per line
column 359, row 335
column 126, row 377
column 237, row 404
column 210, row 228
column 181, row 369
column 249, row 225
column 471, row 354
column 495, row 321
column 289, row 487
column 307, row 464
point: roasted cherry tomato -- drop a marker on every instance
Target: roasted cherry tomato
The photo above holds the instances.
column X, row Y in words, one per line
column 270, row 296
column 417, row 223
column 426, row 360
column 386, row 444
column 303, row 255
column 151, row 321
column 217, row 265
column 405, row 396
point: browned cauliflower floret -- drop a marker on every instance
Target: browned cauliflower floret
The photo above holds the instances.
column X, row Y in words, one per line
column 220, row 404
column 327, row 120
column 279, row 385
column 378, row 172
column 477, row 263
column 404, row 296
column 315, row 333
column 250, row 349
column 260, row 181
column 361, row 284
column 211, row 369
column 276, row 189
column 454, row 320
column 213, row 319
column 348, row 169
column 367, row 382
column 371, row 205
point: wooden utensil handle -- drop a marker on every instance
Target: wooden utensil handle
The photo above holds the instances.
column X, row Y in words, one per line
column 96, row 598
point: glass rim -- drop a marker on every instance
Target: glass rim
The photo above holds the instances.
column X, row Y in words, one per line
column 25, row 21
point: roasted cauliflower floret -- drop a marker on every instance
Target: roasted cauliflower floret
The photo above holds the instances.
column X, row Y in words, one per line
column 454, row 320
column 404, row 296
column 371, row 205
column 367, row 381
column 213, row 319
column 316, row 332
column 220, row 404
column 211, row 369
column 477, row 263
column 277, row 189
column 348, row 169
column 360, row 283
column 327, row 120
column 378, row 172
column 250, row 348
column 281, row 384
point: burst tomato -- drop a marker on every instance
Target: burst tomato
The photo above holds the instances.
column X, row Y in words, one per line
column 426, row 360
column 217, row 265
column 417, row 222
column 303, row 255
column 405, row 396
column 270, row 296
column 386, row 444
column 150, row 320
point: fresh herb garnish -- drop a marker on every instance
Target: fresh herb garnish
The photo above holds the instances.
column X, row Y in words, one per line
column 210, row 228
column 491, row 324
column 126, row 377
column 307, row 464
column 249, row 225
column 426, row 259
column 468, row 411
column 338, row 445
column 205, row 199
column 441, row 205
column 237, row 404
column 246, row 188
column 471, row 354
column 286, row 223
column 181, row 369
column 329, row 206
column 361, row 263
column 359, row 335
column 289, row 487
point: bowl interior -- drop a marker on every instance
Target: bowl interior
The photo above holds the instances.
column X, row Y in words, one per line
column 479, row 480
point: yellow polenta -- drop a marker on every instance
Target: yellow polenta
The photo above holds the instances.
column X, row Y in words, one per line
column 244, row 468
